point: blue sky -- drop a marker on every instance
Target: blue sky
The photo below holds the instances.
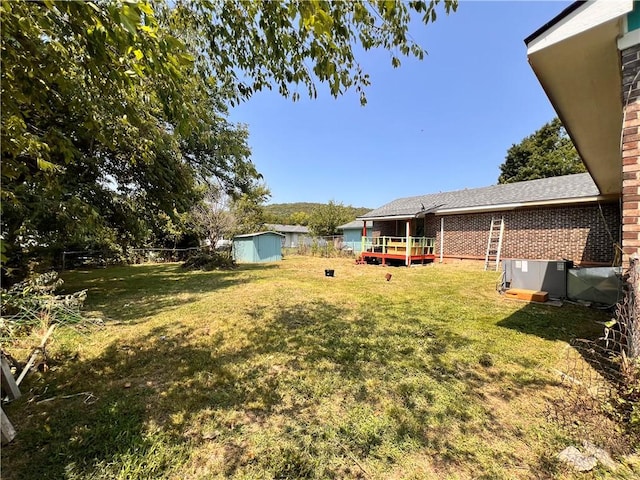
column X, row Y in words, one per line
column 443, row 123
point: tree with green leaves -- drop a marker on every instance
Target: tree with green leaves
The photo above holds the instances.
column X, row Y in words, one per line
column 548, row 152
column 248, row 210
column 105, row 126
column 326, row 218
column 211, row 219
column 251, row 45
column 219, row 216
column 114, row 112
column 299, row 218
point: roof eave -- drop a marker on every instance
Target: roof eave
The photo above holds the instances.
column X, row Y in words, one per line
column 247, row 235
column 517, row 205
column 555, row 20
column 400, row 216
column 576, row 59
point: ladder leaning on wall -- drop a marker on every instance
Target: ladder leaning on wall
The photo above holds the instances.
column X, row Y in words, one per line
column 494, row 245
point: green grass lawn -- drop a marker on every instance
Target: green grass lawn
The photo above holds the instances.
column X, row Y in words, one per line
column 276, row 371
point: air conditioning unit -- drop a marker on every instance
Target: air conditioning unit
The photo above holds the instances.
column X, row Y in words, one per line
column 539, row 275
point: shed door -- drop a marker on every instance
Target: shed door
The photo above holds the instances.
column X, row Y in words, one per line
column 262, row 244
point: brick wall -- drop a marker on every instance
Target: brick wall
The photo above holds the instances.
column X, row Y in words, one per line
column 630, row 152
column 384, row 229
column 576, row 233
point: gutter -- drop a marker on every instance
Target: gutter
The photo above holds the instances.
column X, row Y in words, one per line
column 496, row 208
column 513, row 206
column 564, row 13
column 401, row 216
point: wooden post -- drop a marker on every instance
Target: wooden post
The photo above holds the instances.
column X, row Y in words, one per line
column 441, row 238
column 408, row 248
column 384, row 250
column 8, row 433
column 9, row 386
column 364, row 236
column 32, row 359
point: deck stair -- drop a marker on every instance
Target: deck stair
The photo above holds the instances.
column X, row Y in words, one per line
column 494, row 244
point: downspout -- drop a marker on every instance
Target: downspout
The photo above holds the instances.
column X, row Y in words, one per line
column 441, row 238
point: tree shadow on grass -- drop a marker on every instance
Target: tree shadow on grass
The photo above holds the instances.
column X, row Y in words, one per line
column 404, row 358
column 130, row 421
column 587, row 373
column 570, row 324
column 129, row 294
column 158, row 397
column 556, row 323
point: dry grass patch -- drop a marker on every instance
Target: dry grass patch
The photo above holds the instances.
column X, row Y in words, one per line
column 276, row 371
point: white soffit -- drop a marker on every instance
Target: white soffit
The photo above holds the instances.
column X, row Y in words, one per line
column 578, row 64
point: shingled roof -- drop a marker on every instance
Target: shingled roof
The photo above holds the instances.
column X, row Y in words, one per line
column 566, row 189
column 276, row 227
column 354, row 225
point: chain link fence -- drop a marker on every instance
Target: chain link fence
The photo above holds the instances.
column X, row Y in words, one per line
column 99, row 258
column 329, row 246
column 603, row 376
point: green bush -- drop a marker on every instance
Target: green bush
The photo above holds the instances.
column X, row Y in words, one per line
column 209, row 261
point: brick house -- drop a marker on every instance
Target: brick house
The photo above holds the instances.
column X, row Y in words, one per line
column 552, row 218
column 587, row 59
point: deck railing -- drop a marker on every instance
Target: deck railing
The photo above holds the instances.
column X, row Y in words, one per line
column 398, row 245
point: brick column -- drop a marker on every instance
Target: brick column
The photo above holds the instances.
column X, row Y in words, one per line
column 631, row 152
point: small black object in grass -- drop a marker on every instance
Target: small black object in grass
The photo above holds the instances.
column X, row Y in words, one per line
column 328, row 273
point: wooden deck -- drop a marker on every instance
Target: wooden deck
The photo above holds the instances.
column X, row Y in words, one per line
column 394, row 249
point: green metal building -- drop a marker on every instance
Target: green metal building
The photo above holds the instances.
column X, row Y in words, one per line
column 258, row 247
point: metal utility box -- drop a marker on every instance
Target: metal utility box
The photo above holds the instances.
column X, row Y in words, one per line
column 602, row 285
column 545, row 275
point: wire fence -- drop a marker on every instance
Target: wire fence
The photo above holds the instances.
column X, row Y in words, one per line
column 603, row 376
column 329, row 246
column 98, row 258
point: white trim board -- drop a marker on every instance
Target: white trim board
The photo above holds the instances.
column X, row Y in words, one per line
column 588, row 16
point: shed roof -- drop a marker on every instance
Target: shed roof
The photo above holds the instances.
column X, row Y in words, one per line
column 356, row 224
column 577, row 188
column 276, row 227
column 246, row 235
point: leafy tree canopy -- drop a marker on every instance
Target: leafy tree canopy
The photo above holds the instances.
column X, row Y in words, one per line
column 299, row 213
column 548, row 152
column 251, row 45
column 115, row 111
column 325, row 219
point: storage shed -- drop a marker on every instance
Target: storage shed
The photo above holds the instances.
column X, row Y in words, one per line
column 258, row 247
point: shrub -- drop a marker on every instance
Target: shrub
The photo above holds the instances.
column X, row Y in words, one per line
column 209, row 261
column 33, row 302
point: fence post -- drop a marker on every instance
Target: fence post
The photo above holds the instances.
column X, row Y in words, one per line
column 633, row 332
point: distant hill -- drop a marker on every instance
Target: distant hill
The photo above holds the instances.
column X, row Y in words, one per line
column 282, row 212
